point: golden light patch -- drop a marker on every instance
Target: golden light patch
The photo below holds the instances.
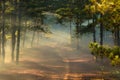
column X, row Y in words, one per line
column 75, row 60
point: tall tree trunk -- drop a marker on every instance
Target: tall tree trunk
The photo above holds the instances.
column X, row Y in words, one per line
column 0, row 44
column 13, row 43
column 33, row 38
column 116, row 36
column 71, row 18
column 24, row 36
column 0, row 38
column 94, row 31
column 38, row 36
column 70, row 30
column 3, row 29
column 101, row 32
column 13, row 24
column 19, row 32
column 78, row 25
column 13, row 38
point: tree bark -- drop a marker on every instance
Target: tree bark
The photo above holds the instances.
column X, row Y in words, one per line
column 33, row 38
column 13, row 24
column 101, row 32
column 24, row 36
column 13, row 38
column 70, row 30
column 3, row 30
column 94, row 31
column 117, row 36
column 19, row 32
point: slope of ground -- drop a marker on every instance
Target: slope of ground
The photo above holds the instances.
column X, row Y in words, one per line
column 53, row 61
column 55, row 58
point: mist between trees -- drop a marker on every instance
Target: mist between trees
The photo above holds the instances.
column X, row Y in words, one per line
column 20, row 16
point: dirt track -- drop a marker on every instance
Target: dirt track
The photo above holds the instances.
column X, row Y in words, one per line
column 54, row 58
column 53, row 62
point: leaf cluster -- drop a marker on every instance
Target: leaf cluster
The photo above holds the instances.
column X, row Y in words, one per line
column 113, row 53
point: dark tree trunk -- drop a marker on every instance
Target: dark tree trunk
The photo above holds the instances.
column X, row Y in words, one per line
column 13, row 44
column 0, row 43
column 3, row 29
column 38, row 36
column 19, row 32
column 14, row 25
column 13, row 38
column 101, row 32
column 33, row 38
column 117, row 36
column 70, row 31
column 24, row 36
column 94, row 31
column 78, row 26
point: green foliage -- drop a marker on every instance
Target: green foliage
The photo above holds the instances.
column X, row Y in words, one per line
column 113, row 53
column 116, row 60
column 65, row 12
column 9, row 7
column 110, row 9
column 40, row 28
column 97, row 49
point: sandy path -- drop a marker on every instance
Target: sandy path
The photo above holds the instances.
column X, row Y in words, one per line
column 52, row 59
column 52, row 63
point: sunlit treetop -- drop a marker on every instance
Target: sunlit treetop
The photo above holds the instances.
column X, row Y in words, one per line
column 103, row 6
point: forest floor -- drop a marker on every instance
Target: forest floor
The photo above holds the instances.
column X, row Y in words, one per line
column 54, row 61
